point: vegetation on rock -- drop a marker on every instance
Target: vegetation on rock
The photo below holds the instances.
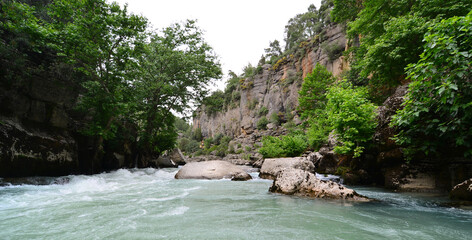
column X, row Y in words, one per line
column 129, row 74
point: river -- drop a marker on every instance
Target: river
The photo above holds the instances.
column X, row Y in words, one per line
column 151, row 204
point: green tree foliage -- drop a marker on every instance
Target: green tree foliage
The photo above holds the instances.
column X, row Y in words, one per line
column 214, row 103
column 24, row 37
column 437, row 114
column 175, row 69
column 273, row 52
column 128, row 74
column 346, row 10
column 285, row 146
column 347, row 114
column 391, row 34
column 307, row 25
column 352, row 117
column 181, row 125
column 262, row 123
column 312, row 94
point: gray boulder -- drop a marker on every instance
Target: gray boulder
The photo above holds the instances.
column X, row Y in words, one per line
column 165, row 162
column 212, row 170
column 273, row 166
column 462, row 191
column 177, row 157
column 305, row 184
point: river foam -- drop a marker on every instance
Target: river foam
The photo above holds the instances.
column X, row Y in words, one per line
column 151, row 204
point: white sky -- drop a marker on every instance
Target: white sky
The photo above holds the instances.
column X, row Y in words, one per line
column 238, row 30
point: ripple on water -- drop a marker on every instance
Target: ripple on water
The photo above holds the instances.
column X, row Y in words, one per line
column 149, row 203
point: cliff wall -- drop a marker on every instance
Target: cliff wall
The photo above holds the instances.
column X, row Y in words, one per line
column 39, row 128
column 276, row 88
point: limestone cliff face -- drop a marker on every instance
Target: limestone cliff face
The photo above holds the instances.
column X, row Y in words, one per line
column 276, row 88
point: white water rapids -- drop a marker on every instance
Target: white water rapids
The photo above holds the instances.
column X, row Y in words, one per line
column 151, row 204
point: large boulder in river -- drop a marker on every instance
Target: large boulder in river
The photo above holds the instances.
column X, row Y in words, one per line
column 462, row 191
column 273, row 166
column 305, row 184
column 212, row 170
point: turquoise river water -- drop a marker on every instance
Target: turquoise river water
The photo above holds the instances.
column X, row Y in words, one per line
column 151, row 204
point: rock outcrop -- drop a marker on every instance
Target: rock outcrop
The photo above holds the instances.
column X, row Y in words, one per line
column 275, row 88
column 212, row 170
column 305, row 184
column 273, row 166
column 462, row 191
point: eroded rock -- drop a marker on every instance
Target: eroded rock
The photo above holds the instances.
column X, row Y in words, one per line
column 462, row 191
column 273, row 166
column 212, row 170
column 305, row 184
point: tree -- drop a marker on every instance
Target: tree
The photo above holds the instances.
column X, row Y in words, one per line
column 390, row 35
column 312, row 94
column 437, row 114
column 174, row 70
column 24, row 47
column 102, row 41
column 274, row 51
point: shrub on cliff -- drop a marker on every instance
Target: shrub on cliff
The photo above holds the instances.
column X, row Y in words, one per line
column 285, row 146
column 262, row 123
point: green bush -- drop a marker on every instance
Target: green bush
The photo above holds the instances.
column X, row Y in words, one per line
column 207, row 143
column 275, row 119
column 352, row 116
column 262, row 123
column 271, row 147
column 262, row 111
column 286, row 146
column 319, row 129
column 188, row 145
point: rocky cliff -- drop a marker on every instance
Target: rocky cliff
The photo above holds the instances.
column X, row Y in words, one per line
column 39, row 128
column 275, row 88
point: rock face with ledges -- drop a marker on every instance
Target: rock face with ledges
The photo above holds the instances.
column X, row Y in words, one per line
column 305, row 184
column 275, row 88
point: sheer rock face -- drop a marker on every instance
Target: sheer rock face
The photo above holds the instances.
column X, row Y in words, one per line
column 212, row 170
column 273, row 166
column 29, row 152
column 275, row 89
column 462, row 191
column 39, row 128
column 305, row 184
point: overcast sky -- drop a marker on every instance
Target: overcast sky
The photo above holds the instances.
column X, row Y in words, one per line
column 238, row 31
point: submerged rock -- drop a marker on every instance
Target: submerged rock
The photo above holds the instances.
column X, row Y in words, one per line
column 273, row 166
column 462, row 191
column 305, row 184
column 212, row 170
